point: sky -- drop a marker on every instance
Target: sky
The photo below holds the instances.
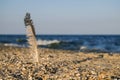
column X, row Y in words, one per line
column 61, row 16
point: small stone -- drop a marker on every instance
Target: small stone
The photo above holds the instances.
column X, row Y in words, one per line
column 93, row 72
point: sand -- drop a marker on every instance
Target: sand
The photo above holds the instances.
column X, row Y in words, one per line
column 53, row 64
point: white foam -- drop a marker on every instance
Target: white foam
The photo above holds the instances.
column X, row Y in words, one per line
column 47, row 42
column 15, row 45
column 83, row 47
column 10, row 44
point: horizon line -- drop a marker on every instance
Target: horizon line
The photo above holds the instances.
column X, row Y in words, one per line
column 62, row 34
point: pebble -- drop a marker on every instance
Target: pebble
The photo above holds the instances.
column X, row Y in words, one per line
column 58, row 66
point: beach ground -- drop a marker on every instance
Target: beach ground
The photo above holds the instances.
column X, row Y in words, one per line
column 15, row 64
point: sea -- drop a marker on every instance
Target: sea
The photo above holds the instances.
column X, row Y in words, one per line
column 83, row 43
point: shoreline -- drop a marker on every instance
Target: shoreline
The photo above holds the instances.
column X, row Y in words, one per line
column 58, row 64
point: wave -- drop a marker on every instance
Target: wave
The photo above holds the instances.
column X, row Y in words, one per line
column 14, row 45
column 85, row 44
column 39, row 42
column 47, row 42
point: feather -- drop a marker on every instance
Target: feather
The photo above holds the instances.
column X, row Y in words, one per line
column 31, row 38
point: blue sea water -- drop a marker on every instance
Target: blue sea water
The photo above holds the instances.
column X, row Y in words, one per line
column 88, row 43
